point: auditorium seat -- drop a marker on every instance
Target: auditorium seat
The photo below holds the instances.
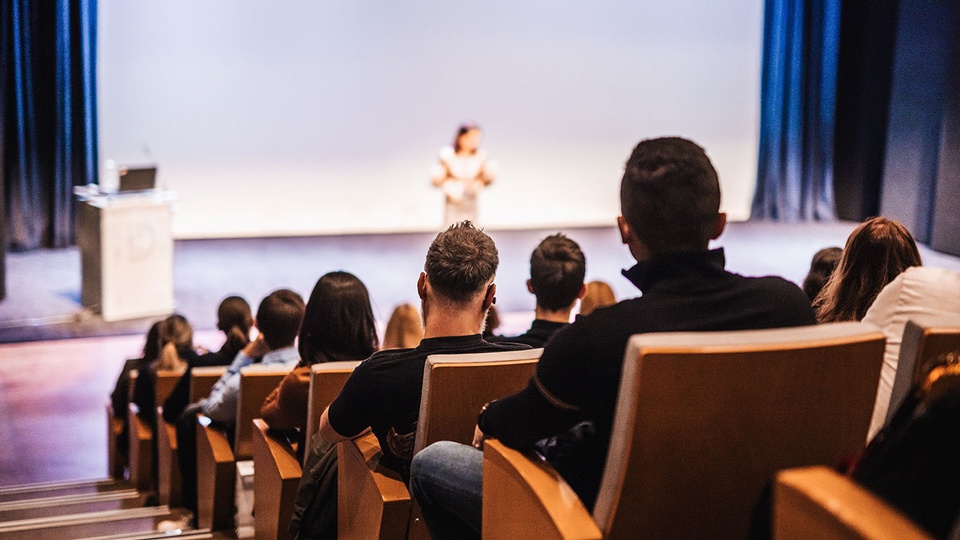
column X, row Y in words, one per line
column 816, row 502
column 373, row 501
column 141, row 434
column 921, row 343
column 117, row 462
column 277, row 469
column 703, row 421
column 202, row 380
column 216, row 459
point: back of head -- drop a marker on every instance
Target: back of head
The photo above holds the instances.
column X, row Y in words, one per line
column 822, row 266
column 404, row 329
column 279, row 317
column 152, row 346
column 877, row 251
column 175, row 338
column 599, row 294
column 670, row 195
column 557, row 268
column 461, row 262
column 234, row 312
column 338, row 323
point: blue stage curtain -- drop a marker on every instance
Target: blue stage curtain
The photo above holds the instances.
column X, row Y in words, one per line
column 48, row 114
column 797, row 103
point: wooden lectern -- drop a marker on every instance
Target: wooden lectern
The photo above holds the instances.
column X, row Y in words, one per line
column 126, row 254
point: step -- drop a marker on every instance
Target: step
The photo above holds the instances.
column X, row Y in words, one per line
column 70, row 504
column 59, row 489
column 194, row 534
column 88, row 525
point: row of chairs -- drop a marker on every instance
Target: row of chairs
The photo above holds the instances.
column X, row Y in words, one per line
column 704, row 420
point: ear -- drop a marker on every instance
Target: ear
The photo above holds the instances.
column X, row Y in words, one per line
column 422, row 286
column 490, row 298
column 625, row 233
column 583, row 292
column 530, row 286
column 719, row 225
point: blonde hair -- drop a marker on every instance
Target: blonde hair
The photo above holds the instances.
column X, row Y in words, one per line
column 175, row 336
column 599, row 294
column 404, row 329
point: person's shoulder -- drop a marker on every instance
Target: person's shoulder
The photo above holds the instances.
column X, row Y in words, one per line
column 447, row 153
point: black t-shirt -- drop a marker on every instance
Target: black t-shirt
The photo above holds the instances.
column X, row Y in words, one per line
column 537, row 336
column 578, row 376
column 383, row 393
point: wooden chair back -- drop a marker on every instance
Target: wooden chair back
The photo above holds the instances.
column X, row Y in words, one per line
column 457, row 386
column 256, row 383
column 202, row 380
column 373, row 501
column 816, row 502
column 165, row 381
column 326, row 381
column 921, row 343
column 704, row 420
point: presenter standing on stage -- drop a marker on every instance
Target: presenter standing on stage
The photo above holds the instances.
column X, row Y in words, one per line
column 464, row 170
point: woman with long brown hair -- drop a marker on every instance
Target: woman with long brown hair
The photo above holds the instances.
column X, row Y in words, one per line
column 877, row 251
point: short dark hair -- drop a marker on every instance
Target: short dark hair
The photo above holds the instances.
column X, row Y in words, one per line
column 821, row 268
column 557, row 268
column 234, row 311
column 279, row 317
column 338, row 322
column 461, row 261
column 670, row 195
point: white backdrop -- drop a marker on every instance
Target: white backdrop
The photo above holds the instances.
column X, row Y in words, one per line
column 323, row 117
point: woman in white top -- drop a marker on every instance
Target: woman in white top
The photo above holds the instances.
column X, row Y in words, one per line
column 464, row 170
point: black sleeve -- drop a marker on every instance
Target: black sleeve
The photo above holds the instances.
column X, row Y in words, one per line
column 552, row 401
column 144, row 396
column 178, row 400
column 349, row 413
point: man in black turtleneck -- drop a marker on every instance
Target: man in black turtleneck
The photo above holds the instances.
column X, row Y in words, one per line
column 557, row 268
column 670, row 201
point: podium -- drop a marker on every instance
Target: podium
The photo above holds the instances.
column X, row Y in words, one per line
column 126, row 254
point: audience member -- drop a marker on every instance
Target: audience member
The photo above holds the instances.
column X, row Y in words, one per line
column 175, row 342
column 338, row 324
column 383, row 393
column 234, row 320
column 670, row 199
column 912, row 463
column 278, row 319
column 822, row 266
column 598, row 294
column 557, row 267
column 925, row 295
column 404, row 329
column 122, row 393
column 876, row 252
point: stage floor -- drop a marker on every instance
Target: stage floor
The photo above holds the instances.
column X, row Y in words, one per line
column 44, row 286
column 53, row 393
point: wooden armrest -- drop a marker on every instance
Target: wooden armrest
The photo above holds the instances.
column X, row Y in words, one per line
column 216, row 478
column 372, row 500
column 168, row 467
column 526, row 498
column 816, row 502
column 141, row 450
column 116, row 461
column 277, row 473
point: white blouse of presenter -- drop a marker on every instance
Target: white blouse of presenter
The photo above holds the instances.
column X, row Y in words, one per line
column 462, row 173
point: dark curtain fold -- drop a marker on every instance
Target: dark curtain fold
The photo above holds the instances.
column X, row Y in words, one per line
column 797, row 103
column 49, row 116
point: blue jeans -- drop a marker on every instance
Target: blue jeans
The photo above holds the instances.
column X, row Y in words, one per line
column 446, row 479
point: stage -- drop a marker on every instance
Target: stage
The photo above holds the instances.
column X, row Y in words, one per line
column 44, row 286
